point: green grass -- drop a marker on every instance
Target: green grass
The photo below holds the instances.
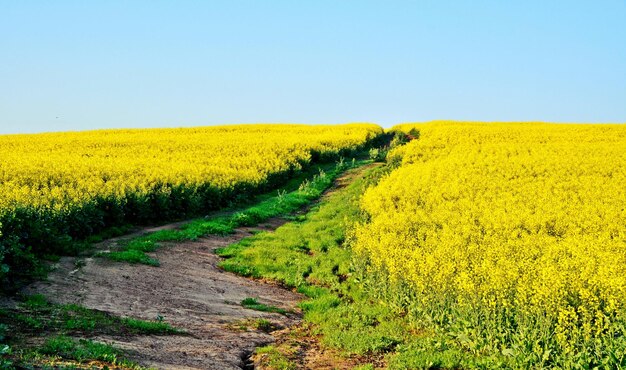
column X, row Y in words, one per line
column 253, row 304
column 149, row 327
column 35, row 314
column 307, row 254
column 82, row 350
column 350, row 306
column 310, row 255
column 272, row 358
column 300, row 191
column 36, row 317
column 79, row 350
column 263, row 325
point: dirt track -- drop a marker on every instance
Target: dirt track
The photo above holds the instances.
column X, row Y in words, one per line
column 188, row 290
column 191, row 293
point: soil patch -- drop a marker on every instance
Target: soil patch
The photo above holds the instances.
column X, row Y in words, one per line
column 188, row 290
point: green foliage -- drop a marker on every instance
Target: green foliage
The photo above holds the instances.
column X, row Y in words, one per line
column 83, row 350
column 5, row 351
column 271, row 358
column 35, row 316
column 35, row 301
column 268, row 206
column 414, row 133
column 377, row 154
column 253, row 304
column 353, row 308
column 310, row 256
column 149, row 327
column 417, row 357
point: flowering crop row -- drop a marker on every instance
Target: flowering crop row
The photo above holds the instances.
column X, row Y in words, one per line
column 58, row 187
column 509, row 238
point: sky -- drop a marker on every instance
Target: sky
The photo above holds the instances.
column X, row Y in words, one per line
column 79, row 65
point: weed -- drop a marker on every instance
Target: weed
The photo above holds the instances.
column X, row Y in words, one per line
column 253, row 304
column 149, row 327
column 79, row 263
column 341, row 163
column 35, row 315
column 35, row 301
column 83, row 350
column 264, row 325
column 131, row 256
column 271, row 358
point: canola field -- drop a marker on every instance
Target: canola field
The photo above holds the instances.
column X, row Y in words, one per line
column 508, row 240
column 59, row 187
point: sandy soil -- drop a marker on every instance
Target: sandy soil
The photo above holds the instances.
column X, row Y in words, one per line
column 188, row 290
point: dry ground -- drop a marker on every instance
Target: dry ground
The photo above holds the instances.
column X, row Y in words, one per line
column 188, row 290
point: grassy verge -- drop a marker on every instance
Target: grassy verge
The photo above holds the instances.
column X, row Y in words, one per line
column 39, row 333
column 69, row 353
column 312, row 256
column 299, row 192
column 253, row 304
column 271, row 357
column 347, row 307
column 263, row 325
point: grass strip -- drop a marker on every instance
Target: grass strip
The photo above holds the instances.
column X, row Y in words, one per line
column 344, row 303
column 346, row 306
column 253, row 304
column 63, row 352
column 36, row 317
column 284, row 201
column 311, row 256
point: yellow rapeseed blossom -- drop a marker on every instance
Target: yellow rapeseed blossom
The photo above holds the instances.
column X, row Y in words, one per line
column 520, row 219
column 57, row 170
column 57, row 188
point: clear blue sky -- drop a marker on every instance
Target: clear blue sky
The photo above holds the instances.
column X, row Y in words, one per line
column 75, row 65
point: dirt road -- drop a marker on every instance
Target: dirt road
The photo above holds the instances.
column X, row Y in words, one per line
column 188, row 291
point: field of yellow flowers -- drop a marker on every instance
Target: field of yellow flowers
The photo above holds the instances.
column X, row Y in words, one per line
column 507, row 239
column 59, row 187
